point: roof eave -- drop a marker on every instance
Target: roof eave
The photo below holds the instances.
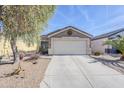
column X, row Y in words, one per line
column 69, row 27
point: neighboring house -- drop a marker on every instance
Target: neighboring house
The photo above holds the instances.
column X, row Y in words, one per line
column 98, row 41
column 68, row 40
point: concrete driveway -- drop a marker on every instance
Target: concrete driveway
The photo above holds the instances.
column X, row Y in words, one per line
column 80, row 72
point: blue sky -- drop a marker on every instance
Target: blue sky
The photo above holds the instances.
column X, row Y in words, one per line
column 94, row 19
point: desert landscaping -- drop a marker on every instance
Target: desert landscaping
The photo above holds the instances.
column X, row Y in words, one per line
column 30, row 77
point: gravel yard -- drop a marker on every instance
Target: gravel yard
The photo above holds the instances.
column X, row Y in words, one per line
column 29, row 78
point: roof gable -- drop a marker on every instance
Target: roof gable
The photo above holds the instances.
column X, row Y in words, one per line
column 68, row 28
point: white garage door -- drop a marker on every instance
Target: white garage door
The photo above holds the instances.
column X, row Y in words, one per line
column 69, row 47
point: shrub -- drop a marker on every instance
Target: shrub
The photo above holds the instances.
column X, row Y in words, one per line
column 97, row 53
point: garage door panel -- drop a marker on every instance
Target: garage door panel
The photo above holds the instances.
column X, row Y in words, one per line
column 69, row 47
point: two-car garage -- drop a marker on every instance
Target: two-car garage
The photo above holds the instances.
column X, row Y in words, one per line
column 67, row 46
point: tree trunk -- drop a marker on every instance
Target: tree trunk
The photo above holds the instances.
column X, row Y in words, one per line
column 122, row 57
column 14, row 50
column 16, row 57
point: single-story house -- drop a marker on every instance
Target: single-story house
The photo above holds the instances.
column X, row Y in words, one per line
column 98, row 41
column 68, row 40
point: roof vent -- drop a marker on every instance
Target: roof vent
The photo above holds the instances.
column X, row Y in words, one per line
column 69, row 32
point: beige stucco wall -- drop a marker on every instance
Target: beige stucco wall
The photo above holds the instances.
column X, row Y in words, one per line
column 97, row 45
column 6, row 49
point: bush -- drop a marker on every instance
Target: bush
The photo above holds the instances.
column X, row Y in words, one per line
column 97, row 53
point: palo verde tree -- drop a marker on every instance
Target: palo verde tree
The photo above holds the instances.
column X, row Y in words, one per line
column 24, row 22
column 118, row 44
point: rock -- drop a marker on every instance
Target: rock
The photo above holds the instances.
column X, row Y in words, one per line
column 22, row 77
column 34, row 62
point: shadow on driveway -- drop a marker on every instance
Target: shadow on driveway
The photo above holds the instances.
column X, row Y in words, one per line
column 114, row 64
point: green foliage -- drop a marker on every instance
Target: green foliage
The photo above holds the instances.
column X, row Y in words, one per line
column 97, row 53
column 117, row 43
column 25, row 22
